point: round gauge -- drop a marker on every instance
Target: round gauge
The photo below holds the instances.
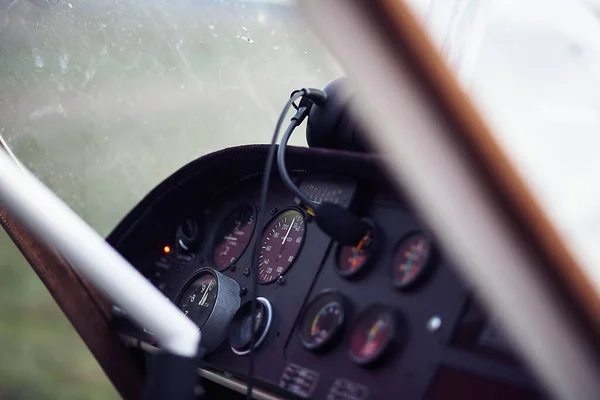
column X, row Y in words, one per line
column 199, row 297
column 322, row 320
column 353, row 260
column 411, row 260
column 233, row 236
column 240, row 329
column 373, row 334
column 281, row 242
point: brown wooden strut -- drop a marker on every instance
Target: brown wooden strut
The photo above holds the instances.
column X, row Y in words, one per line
column 86, row 309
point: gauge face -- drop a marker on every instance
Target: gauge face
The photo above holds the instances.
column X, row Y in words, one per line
column 353, row 260
column 372, row 335
column 233, row 236
column 411, row 260
column 198, row 299
column 322, row 320
column 281, row 243
column 240, row 329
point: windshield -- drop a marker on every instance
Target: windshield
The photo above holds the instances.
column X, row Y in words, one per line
column 104, row 99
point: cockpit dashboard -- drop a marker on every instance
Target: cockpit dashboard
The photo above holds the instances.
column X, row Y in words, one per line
column 386, row 318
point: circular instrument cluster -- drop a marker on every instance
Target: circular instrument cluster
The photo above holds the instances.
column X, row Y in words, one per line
column 210, row 299
column 322, row 320
column 241, row 331
column 378, row 329
column 375, row 332
column 411, row 260
column 281, row 242
column 199, row 297
column 233, row 236
column 352, row 261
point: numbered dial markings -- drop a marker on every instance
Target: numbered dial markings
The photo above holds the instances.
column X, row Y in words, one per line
column 322, row 320
column 233, row 236
column 281, row 243
column 198, row 299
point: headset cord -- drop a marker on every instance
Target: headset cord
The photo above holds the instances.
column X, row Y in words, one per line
column 301, row 113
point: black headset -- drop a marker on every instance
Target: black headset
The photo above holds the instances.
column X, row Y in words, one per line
column 331, row 124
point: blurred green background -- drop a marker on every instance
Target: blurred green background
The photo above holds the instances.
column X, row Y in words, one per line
column 104, row 99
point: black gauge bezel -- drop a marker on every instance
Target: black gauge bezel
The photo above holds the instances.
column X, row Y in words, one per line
column 338, row 329
column 193, row 278
column 390, row 343
column 264, row 230
column 223, row 217
column 376, row 246
column 426, row 269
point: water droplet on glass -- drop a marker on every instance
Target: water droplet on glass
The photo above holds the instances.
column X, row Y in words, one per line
column 38, row 60
column 63, row 60
column 246, row 39
column 70, row 5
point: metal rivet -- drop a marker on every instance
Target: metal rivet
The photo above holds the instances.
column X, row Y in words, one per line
column 434, row 324
column 246, row 271
column 281, row 280
column 273, row 211
column 232, row 267
column 243, row 291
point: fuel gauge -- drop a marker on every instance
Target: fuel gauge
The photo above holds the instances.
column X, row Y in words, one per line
column 322, row 320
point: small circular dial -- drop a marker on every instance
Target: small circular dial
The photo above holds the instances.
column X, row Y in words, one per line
column 322, row 320
column 240, row 329
column 353, row 260
column 198, row 298
column 411, row 260
column 233, row 236
column 281, row 243
column 373, row 334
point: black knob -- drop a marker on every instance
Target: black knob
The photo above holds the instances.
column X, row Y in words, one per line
column 187, row 236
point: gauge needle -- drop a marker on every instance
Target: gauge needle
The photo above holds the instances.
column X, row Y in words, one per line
column 288, row 231
column 205, row 295
column 362, row 241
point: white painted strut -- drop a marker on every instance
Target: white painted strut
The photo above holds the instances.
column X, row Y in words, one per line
column 50, row 219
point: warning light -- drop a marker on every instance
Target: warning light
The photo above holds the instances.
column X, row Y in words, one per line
column 167, row 249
